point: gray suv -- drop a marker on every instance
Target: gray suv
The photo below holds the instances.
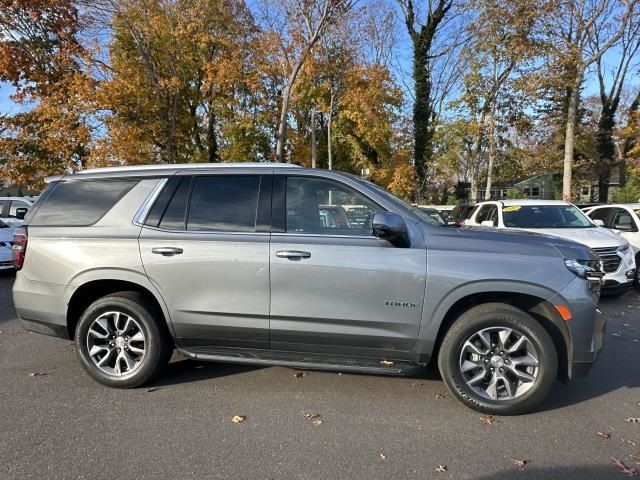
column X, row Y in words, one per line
column 273, row 264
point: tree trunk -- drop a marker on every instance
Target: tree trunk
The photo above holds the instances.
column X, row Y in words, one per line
column 422, row 131
column 492, row 150
column 473, row 193
column 212, row 143
column 569, row 139
column 314, row 142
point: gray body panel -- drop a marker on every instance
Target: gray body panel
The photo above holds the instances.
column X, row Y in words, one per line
column 353, row 297
column 217, row 290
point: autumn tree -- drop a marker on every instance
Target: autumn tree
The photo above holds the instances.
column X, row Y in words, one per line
column 41, row 57
column 501, row 56
column 181, row 82
column 423, row 33
column 610, row 96
column 570, row 26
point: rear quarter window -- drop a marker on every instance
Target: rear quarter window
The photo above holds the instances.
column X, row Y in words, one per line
column 79, row 202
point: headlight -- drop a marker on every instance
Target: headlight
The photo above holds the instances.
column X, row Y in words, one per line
column 584, row 268
column 624, row 248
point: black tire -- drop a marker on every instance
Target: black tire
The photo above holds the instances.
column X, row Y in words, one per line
column 158, row 344
column 636, row 278
column 497, row 315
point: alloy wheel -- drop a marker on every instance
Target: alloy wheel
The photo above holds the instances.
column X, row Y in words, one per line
column 116, row 343
column 499, row 363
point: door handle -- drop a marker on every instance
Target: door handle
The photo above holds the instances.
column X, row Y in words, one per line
column 167, row 251
column 293, row 254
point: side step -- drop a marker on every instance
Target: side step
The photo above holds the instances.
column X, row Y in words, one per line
column 303, row 360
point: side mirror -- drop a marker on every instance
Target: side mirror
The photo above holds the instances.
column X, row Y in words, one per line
column 488, row 223
column 21, row 212
column 391, row 227
column 599, row 222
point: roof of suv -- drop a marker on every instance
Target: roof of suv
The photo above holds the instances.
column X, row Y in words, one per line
column 165, row 168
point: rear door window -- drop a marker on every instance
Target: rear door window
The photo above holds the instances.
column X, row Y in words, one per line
column 224, row 203
column 80, row 202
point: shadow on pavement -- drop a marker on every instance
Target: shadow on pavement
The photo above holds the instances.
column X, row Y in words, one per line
column 184, row 370
column 598, row 472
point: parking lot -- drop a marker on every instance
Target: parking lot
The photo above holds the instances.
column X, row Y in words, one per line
column 56, row 422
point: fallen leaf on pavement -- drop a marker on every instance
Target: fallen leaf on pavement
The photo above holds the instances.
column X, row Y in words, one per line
column 300, row 374
column 632, row 420
column 604, row 435
column 238, row 418
column 622, row 468
column 417, row 384
column 382, row 456
column 629, row 442
column 311, row 416
column 317, row 422
column 635, row 457
column 441, row 468
column 439, row 396
column 37, row 374
column 520, row 464
column 152, row 389
column 488, row 419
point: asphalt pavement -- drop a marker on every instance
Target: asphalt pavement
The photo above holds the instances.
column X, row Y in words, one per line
column 55, row 422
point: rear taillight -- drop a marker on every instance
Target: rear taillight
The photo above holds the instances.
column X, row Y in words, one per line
column 19, row 246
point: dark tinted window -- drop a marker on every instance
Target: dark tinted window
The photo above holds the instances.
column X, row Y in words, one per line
column 601, row 214
column 81, row 202
column 173, row 218
column 325, row 207
column 224, row 203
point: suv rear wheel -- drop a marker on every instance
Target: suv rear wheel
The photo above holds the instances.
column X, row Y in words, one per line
column 497, row 359
column 119, row 342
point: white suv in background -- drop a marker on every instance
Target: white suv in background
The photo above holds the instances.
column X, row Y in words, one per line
column 561, row 219
column 6, row 242
column 12, row 207
column 625, row 219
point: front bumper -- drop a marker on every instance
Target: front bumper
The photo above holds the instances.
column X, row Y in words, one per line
column 584, row 331
column 581, row 367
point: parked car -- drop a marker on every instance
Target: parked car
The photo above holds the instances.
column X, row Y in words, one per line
column 460, row 213
column 232, row 263
column 14, row 209
column 561, row 219
column 625, row 219
column 6, row 242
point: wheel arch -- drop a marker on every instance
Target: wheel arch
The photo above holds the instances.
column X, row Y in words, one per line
column 91, row 288
column 534, row 303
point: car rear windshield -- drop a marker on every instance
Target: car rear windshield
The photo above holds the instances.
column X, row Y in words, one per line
column 80, row 202
column 544, row 216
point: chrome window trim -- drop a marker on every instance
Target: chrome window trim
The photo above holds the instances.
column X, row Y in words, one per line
column 322, row 235
column 141, row 215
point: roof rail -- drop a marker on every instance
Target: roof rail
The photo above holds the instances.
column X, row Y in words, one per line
column 188, row 166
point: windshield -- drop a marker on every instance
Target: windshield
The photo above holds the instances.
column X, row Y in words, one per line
column 433, row 214
column 544, row 216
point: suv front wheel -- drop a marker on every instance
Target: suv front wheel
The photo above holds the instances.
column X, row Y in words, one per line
column 499, row 360
column 119, row 342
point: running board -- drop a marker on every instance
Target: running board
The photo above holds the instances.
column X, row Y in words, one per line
column 305, row 361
